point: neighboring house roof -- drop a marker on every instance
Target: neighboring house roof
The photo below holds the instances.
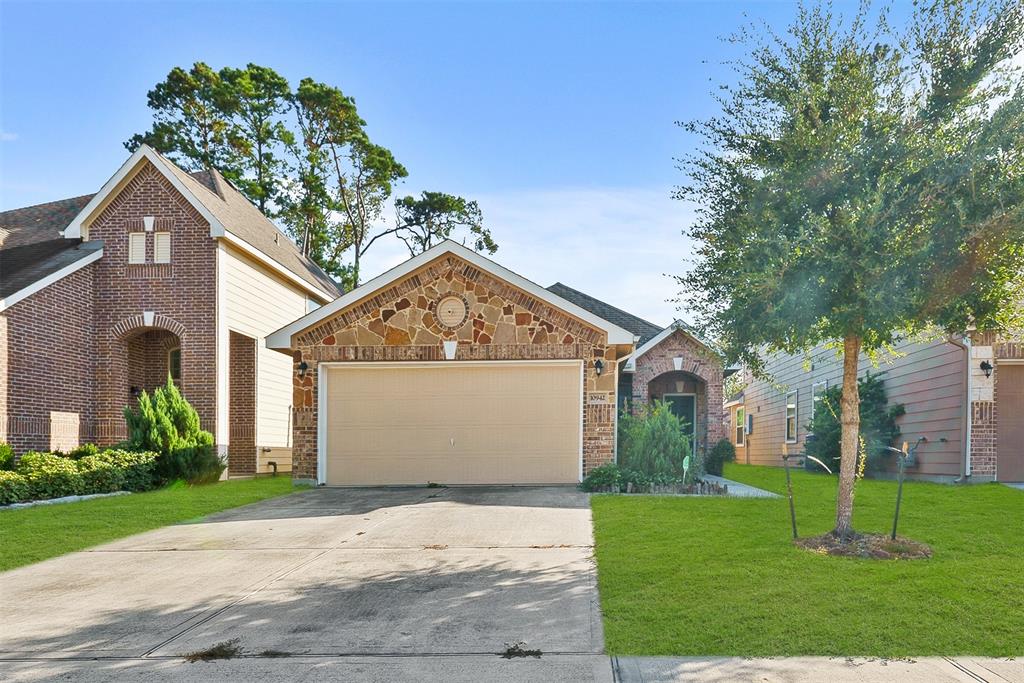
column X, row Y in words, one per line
column 32, row 249
column 641, row 328
column 229, row 214
column 281, row 339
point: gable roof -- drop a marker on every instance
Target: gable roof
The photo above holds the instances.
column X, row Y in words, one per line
column 230, row 215
column 676, row 326
column 641, row 328
column 282, row 338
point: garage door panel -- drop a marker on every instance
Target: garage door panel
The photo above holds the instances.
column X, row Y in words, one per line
column 453, row 423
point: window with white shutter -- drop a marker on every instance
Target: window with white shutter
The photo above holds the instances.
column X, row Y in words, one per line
column 162, row 247
column 136, row 247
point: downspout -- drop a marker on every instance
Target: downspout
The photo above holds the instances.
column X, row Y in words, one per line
column 965, row 430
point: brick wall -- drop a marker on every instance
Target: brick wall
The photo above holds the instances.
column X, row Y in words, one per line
column 47, row 365
column 985, row 447
column 242, row 405
column 504, row 323
column 701, row 371
column 182, row 295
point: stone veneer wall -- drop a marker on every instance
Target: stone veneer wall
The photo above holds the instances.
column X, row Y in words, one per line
column 505, row 323
column 699, row 362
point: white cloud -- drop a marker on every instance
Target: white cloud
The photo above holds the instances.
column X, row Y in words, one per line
column 7, row 137
column 615, row 244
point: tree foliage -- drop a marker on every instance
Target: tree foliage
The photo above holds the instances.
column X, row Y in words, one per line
column 878, row 428
column 861, row 183
column 305, row 158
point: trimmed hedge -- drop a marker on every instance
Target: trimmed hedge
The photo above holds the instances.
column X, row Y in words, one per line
column 13, row 487
column 49, row 475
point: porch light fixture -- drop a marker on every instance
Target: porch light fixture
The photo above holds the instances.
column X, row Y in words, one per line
column 987, row 368
column 598, row 367
column 303, row 366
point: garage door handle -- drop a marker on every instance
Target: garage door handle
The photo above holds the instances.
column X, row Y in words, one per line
column 453, row 441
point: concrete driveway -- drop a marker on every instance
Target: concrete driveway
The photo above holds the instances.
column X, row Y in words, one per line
column 367, row 584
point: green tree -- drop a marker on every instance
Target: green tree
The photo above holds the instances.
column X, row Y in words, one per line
column 257, row 98
column 191, row 120
column 861, row 183
column 433, row 216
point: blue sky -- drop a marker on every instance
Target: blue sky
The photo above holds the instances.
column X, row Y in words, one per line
column 557, row 118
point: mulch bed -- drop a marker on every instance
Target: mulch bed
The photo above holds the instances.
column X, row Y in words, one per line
column 870, row 546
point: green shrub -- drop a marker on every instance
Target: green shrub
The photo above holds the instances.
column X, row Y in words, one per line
column 653, row 443
column 166, row 424
column 6, row 457
column 13, row 488
column 603, row 477
column 138, row 468
column 49, row 475
column 721, row 453
column 86, row 449
column 99, row 475
column 878, row 425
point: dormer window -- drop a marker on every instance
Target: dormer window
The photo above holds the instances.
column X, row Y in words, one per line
column 136, row 247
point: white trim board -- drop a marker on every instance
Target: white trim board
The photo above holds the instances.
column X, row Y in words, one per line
column 281, row 339
column 42, row 283
column 75, row 228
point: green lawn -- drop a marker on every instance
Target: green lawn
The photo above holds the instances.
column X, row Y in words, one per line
column 33, row 534
column 705, row 576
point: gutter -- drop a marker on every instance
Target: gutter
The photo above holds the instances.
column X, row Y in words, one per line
column 965, row 430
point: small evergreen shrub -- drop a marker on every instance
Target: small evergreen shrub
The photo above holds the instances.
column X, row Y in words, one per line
column 86, row 449
column 138, row 467
column 600, row 478
column 99, row 475
column 49, row 475
column 13, row 487
column 653, row 443
column 878, row 425
column 168, row 425
column 721, row 453
column 6, row 457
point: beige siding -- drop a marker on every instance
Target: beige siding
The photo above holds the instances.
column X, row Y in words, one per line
column 926, row 377
column 258, row 302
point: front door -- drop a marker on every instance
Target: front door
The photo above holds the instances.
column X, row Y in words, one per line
column 684, row 406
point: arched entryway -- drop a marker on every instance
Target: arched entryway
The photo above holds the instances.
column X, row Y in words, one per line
column 687, row 395
column 153, row 356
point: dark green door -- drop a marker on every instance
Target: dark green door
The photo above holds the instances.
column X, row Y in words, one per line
column 685, row 407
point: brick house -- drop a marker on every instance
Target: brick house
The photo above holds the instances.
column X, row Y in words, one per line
column 161, row 272
column 964, row 395
column 450, row 368
column 669, row 363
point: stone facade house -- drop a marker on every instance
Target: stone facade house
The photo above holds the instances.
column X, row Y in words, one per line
column 963, row 395
column 452, row 369
column 161, row 272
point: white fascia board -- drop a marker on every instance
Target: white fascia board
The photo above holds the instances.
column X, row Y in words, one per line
column 74, row 229
column 281, row 339
column 49, row 279
column 677, row 325
column 236, row 241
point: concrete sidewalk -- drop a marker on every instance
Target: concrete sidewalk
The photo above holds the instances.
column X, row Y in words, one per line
column 815, row 669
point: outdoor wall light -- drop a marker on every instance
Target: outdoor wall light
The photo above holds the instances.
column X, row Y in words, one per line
column 987, row 368
column 303, row 366
column 598, row 366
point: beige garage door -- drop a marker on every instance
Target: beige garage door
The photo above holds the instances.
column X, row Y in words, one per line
column 452, row 423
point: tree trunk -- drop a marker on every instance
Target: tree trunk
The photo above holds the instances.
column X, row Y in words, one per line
column 850, row 439
column 355, row 267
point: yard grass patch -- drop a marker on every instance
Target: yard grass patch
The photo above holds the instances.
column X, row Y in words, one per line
column 38, row 533
column 720, row 576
